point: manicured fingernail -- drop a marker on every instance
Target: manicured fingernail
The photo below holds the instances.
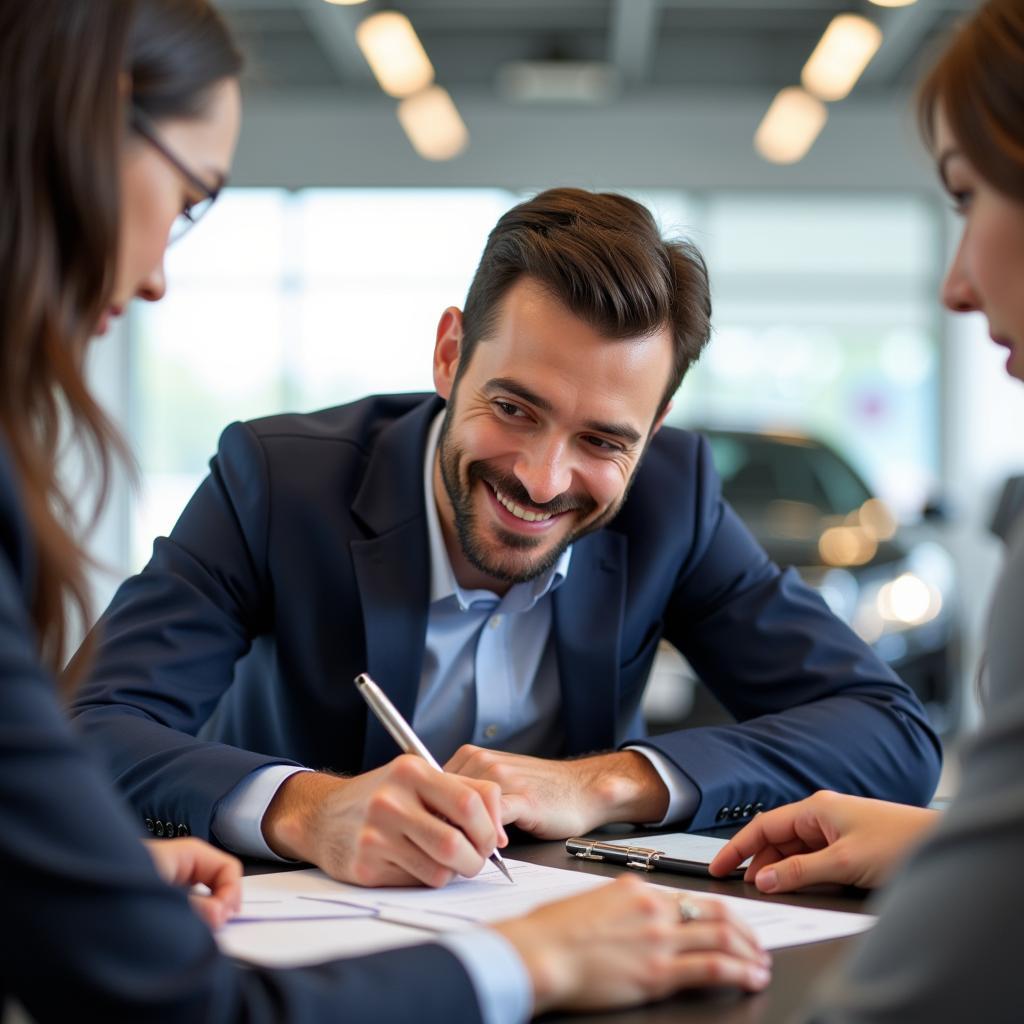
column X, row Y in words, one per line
column 768, row 880
column 760, row 976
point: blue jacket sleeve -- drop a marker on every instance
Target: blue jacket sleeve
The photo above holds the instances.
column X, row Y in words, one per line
column 815, row 706
column 167, row 647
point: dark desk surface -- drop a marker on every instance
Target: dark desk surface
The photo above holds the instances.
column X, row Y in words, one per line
column 794, row 970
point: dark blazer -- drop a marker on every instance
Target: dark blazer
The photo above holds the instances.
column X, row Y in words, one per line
column 90, row 932
column 303, row 560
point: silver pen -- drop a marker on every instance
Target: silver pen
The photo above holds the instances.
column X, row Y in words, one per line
column 401, row 732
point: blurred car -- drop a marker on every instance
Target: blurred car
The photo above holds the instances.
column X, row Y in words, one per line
column 894, row 585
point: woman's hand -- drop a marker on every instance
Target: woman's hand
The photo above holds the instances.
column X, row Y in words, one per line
column 188, row 862
column 828, row 837
column 628, row 943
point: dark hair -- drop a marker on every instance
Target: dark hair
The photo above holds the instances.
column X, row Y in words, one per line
column 65, row 66
column 601, row 255
column 978, row 83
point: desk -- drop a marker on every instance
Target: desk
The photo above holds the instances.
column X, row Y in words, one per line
column 794, row 970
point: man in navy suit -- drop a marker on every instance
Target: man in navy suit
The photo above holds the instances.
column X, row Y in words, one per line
column 503, row 559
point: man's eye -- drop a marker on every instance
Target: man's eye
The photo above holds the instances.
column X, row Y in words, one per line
column 603, row 445
column 508, row 408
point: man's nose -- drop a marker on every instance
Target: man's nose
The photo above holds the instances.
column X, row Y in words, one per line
column 545, row 470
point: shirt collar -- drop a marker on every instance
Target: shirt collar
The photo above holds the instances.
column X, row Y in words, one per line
column 521, row 597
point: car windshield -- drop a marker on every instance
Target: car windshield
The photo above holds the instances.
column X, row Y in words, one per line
column 756, row 470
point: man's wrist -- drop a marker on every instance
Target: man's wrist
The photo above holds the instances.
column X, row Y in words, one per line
column 289, row 825
column 628, row 788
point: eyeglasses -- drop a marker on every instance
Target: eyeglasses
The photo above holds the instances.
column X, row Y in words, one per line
column 193, row 212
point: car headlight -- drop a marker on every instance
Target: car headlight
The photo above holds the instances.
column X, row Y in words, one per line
column 908, row 601
column 915, row 594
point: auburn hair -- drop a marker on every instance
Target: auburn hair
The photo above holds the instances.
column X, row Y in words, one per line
column 978, row 84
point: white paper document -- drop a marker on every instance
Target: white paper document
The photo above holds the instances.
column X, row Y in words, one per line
column 287, row 907
column 374, row 919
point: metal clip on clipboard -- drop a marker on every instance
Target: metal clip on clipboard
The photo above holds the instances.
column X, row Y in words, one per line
column 641, row 858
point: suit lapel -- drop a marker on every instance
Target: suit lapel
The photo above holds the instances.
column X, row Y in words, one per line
column 392, row 569
column 588, row 612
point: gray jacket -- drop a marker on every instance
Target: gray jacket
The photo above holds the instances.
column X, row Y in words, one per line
column 949, row 945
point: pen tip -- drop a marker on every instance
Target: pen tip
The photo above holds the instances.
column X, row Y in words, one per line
column 503, row 868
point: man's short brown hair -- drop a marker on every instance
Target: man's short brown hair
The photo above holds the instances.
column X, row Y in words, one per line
column 602, row 256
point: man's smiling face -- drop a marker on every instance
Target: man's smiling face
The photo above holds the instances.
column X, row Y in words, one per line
column 543, row 432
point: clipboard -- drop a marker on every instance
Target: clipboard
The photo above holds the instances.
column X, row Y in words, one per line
column 642, row 858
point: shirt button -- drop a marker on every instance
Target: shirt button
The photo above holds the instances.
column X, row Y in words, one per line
column 496, row 621
column 491, row 731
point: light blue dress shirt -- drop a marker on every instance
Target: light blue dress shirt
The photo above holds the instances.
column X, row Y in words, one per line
column 489, row 677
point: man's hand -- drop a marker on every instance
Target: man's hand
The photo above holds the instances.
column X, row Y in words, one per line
column 188, row 862
column 559, row 799
column 627, row 943
column 828, row 837
column 403, row 824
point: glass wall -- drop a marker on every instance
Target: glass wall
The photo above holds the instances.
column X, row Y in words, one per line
column 825, row 321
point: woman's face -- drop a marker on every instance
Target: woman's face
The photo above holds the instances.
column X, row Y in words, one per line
column 154, row 191
column 987, row 273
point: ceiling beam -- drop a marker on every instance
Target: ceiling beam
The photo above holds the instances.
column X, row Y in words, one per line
column 903, row 31
column 334, row 29
column 634, row 28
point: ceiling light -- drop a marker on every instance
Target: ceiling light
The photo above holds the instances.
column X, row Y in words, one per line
column 893, row 3
column 433, row 124
column 789, row 128
column 394, row 53
column 352, row 3
column 842, row 53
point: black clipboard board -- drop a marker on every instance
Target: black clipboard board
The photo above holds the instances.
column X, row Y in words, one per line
column 640, row 858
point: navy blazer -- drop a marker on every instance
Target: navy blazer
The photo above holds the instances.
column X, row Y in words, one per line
column 89, row 930
column 303, row 560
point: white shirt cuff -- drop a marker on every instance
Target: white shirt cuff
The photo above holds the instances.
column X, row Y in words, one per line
column 238, row 819
column 497, row 972
column 683, row 795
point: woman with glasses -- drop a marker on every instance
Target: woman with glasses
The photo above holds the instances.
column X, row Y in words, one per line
column 948, row 943
column 118, row 121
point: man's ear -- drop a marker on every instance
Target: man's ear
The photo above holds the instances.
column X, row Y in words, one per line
column 661, row 419
column 447, row 349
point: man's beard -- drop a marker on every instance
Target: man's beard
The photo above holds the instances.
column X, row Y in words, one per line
column 509, row 569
